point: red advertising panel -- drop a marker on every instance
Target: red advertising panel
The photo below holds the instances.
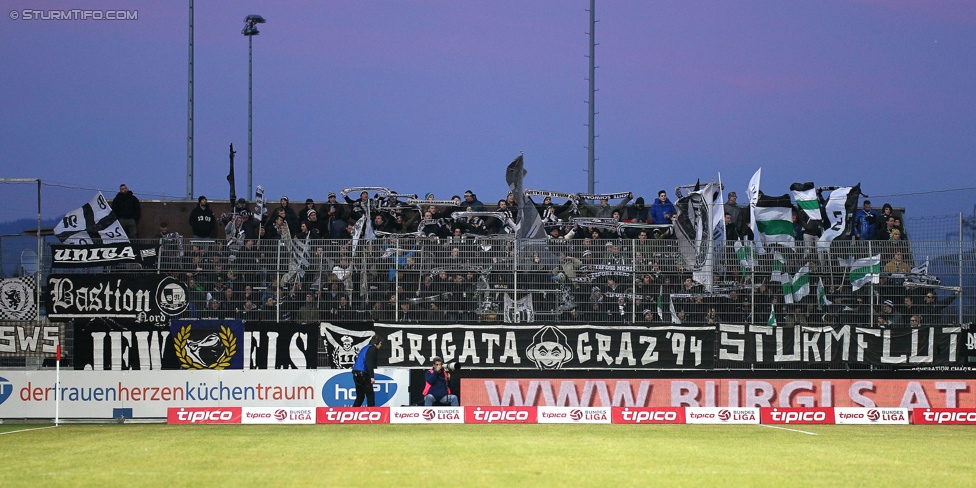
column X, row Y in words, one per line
column 204, row 415
column 351, row 415
column 500, row 415
column 648, row 415
column 821, row 415
column 780, row 393
column 944, row 416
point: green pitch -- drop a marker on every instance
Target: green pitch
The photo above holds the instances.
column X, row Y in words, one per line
column 486, row 455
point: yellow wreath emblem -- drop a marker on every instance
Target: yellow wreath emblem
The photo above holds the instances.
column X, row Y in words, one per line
column 227, row 339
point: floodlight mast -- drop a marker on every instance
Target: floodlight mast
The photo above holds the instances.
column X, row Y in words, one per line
column 250, row 30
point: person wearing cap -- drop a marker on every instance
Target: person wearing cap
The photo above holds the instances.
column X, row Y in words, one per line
column 202, row 220
column 471, row 202
column 291, row 218
column 332, row 216
column 438, row 387
column 893, row 318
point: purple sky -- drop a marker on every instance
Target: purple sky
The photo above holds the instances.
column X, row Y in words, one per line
column 440, row 96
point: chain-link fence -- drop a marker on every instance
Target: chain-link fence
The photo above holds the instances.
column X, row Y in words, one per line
column 641, row 281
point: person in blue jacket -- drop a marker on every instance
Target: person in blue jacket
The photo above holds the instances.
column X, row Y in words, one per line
column 362, row 372
column 662, row 210
column 437, row 388
column 866, row 222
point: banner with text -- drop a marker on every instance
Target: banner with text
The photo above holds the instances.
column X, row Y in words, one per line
column 549, row 347
column 915, row 347
column 805, row 393
column 144, row 298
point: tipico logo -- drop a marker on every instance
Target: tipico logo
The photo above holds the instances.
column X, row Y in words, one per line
column 6, row 388
column 340, row 390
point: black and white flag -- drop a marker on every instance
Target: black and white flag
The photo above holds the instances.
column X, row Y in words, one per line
column 694, row 228
column 17, row 302
column 838, row 212
column 342, row 343
column 93, row 223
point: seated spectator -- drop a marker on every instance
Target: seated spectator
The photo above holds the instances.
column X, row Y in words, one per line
column 897, row 265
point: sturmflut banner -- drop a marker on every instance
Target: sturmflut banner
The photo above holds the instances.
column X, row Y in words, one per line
column 761, row 344
column 547, row 347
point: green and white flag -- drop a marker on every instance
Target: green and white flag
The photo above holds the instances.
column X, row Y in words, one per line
column 799, row 286
column 805, row 195
column 778, row 273
column 772, row 316
column 822, row 301
column 774, row 220
column 864, row 271
column 746, row 252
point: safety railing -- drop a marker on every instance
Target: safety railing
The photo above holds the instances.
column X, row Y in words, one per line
column 630, row 281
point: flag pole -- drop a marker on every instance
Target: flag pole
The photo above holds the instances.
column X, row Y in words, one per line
column 57, row 387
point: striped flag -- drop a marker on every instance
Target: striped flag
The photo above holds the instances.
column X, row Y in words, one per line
column 800, row 286
column 822, row 301
column 805, row 195
column 774, row 220
column 746, row 252
column 772, row 316
column 864, row 271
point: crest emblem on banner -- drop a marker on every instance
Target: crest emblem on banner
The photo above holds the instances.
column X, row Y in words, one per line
column 214, row 351
column 17, row 299
column 549, row 349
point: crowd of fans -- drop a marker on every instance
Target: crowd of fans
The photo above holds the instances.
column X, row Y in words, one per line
column 418, row 263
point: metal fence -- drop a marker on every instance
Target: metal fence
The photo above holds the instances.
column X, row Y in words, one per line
column 640, row 281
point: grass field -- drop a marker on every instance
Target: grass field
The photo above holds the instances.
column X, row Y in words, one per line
column 486, row 455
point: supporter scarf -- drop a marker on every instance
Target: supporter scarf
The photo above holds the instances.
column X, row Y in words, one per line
column 601, row 196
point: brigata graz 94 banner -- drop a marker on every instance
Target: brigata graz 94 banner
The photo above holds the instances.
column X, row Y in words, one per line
column 107, row 344
column 548, row 347
column 145, row 298
column 920, row 346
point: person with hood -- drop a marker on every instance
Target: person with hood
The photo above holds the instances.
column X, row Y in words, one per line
column 290, row 216
column 128, row 210
column 638, row 212
column 662, row 210
column 202, row 220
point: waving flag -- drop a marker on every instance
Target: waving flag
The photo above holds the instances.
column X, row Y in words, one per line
column 93, row 223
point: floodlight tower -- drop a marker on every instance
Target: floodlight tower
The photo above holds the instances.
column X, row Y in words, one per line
column 250, row 30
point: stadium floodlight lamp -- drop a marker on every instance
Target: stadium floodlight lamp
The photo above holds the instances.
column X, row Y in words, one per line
column 250, row 24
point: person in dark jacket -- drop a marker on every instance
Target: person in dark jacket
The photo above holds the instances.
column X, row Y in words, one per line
column 662, row 210
column 291, row 218
column 127, row 210
column 638, row 212
column 438, row 389
column 202, row 219
column 362, row 372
